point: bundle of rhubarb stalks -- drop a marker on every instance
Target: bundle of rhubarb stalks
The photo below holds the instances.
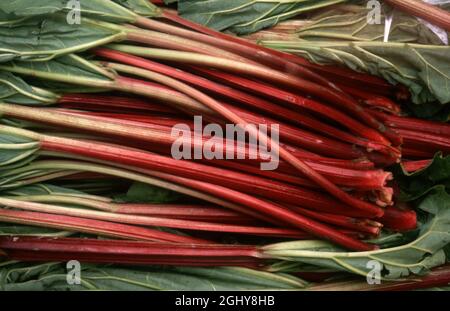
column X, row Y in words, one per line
column 94, row 106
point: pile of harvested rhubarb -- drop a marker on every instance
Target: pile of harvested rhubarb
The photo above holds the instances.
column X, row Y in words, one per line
column 115, row 149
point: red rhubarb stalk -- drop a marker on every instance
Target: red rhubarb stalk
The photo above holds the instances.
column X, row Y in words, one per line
column 255, row 206
column 91, row 226
column 425, row 140
column 135, row 252
column 151, row 221
column 412, row 152
column 300, row 165
column 229, row 43
column 317, row 143
column 370, row 179
column 292, row 99
column 40, row 256
column 363, row 225
column 240, row 96
column 264, row 73
column 413, row 124
column 372, row 100
column 106, row 103
column 209, row 213
column 399, row 218
column 284, row 154
column 235, row 180
column 184, row 211
column 428, row 12
column 285, row 215
column 413, row 166
column 275, row 58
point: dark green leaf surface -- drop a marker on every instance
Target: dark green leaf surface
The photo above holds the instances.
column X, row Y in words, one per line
column 417, row 184
column 143, row 193
column 101, row 9
column 43, row 189
column 141, row 7
column 71, row 69
column 340, row 23
column 53, row 276
column 48, row 36
column 424, row 69
column 22, row 230
column 416, row 257
column 246, row 16
column 16, row 91
column 15, row 149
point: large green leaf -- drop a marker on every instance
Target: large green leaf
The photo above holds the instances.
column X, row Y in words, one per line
column 433, row 111
column 22, row 172
column 96, row 186
column 143, row 193
column 53, row 276
column 424, row 69
column 22, row 230
column 15, row 149
column 141, row 7
column 16, row 91
column 43, row 189
column 339, row 23
column 416, row 257
column 101, row 9
column 47, row 36
column 70, row 69
column 343, row 36
column 417, row 184
column 246, row 16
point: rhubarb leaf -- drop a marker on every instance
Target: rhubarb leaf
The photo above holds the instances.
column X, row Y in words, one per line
column 424, row 69
column 71, row 69
column 16, row 91
column 49, row 36
column 53, row 276
column 101, row 9
column 343, row 36
column 414, row 258
column 144, row 193
column 344, row 23
column 96, row 186
column 20, row 176
column 141, row 7
column 44, row 189
column 433, row 111
column 22, row 230
column 246, row 16
column 417, row 184
column 15, row 149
